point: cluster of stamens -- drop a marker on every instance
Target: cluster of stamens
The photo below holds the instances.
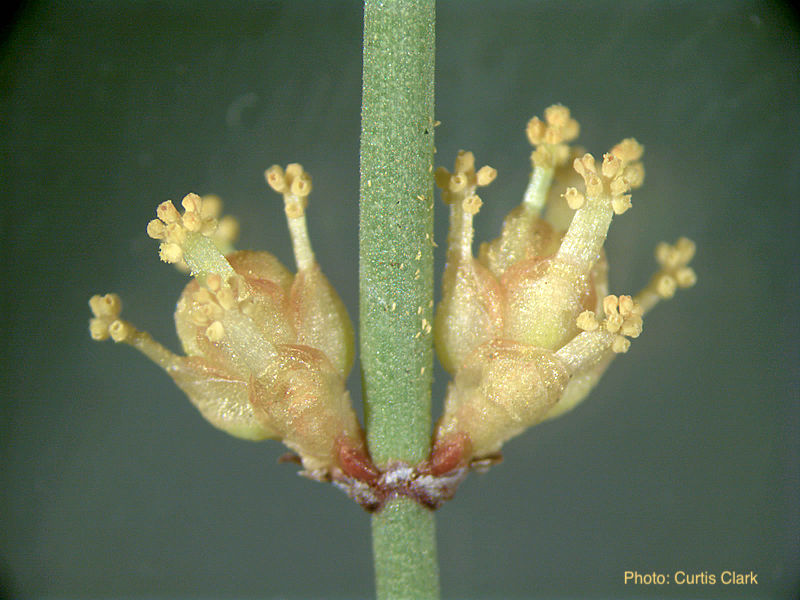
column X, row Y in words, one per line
column 460, row 185
column 211, row 303
column 173, row 228
column 623, row 317
column 619, row 172
column 295, row 185
column 675, row 272
column 550, row 136
column 106, row 322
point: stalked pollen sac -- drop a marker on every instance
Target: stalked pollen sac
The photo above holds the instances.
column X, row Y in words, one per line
column 528, row 327
column 266, row 352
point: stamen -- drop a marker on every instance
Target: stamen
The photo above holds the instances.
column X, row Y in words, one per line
column 623, row 319
column 295, row 185
column 606, row 194
column 551, row 151
column 458, row 190
column 469, row 310
column 107, row 324
column 187, row 237
column 675, row 273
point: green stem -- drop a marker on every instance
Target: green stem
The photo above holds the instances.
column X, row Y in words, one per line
column 396, row 276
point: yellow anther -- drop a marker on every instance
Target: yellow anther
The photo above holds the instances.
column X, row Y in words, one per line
column 458, row 182
column 620, row 204
column 108, row 305
column 301, row 185
column 626, row 305
column 120, row 330
column 587, row 321
column 211, row 207
column 192, row 221
column 628, row 150
column 611, row 165
column 610, row 304
column 442, row 178
column 685, row 277
column 634, row 174
column 214, row 282
column 574, row 198
column 536, row 130
column 613, row 323
column 666, row 286
column 465, row 161
column 202, row 296
column 226, row 298
column 192, row 203
column 276, row 178
column 619, row 186
column 175, row 233
column 215, row 332
column 293, row 170
column 228, row 229
column 156, row 229
column 556, row 115
column 486, row 175
column 106, row 309
column 472, row 204
column 167, row 212
column 620, row 345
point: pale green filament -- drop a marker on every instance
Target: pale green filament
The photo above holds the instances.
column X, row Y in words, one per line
column 535, row 196
column 303, row 253
column 585, row 349
column 584, row 239
column 204, row 258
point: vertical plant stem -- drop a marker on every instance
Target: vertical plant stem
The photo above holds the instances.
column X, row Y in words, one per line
column 396, row 276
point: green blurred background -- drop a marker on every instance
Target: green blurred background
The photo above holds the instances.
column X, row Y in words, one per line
column 686, row 456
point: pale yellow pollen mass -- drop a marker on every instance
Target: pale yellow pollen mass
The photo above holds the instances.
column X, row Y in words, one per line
column 169, row 252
